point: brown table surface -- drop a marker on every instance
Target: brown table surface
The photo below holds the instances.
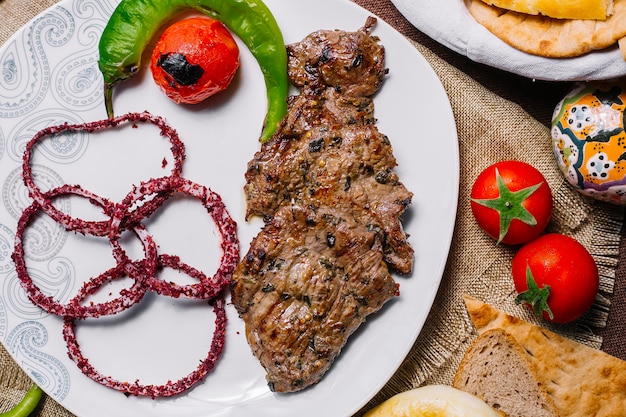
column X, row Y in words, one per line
column 537, row 98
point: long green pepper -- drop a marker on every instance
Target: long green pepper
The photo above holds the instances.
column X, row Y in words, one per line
column 135, row 22
column 25, row 407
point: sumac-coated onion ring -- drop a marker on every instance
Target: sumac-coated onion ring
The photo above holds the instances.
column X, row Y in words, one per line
column 135, row 388
column 226, row 226
column 96, row 228
column 127, row 297
column 207, row 288
column 128, row 215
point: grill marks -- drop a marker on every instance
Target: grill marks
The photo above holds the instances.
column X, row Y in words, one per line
column 326, row 187
column 301, row 297
column 347, row 165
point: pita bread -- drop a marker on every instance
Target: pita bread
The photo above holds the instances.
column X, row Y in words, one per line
column 581, row 380
column 549, row 37
column 559, row 9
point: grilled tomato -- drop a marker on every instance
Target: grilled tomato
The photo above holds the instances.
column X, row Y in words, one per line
column 194, row 59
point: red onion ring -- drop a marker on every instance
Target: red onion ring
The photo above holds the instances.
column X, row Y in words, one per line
column 140, row 203
column 127, row 297
column 207, row 287
column 165, row 390
column 96, row 228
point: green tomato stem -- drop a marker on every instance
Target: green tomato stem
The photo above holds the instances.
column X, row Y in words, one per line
column 535, row 296
column 509, row 205
column 108, row 100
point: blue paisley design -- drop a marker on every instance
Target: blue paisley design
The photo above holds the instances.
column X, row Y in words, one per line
column 4, row 320
column 20, row 81
column 15, row 195
column 6, row 248
column 58, row 281
column 44, row 237
column 94, row 10
column 2, row 143
column 76, row 79
column 24, row 344
column 63, row 147
column 78, row 83
column 26, row 65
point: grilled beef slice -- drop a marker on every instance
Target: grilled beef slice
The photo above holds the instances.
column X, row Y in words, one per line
column 352, row 63
column 326, row 188
column 349, row 167
column 328, row 150
column 307, row 283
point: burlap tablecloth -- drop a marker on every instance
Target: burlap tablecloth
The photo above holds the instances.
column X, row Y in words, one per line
column 491, row 127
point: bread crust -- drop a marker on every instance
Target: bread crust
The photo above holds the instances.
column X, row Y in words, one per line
column 582, row 381
column 496, row 369
column 558, row 9
column 549, row 37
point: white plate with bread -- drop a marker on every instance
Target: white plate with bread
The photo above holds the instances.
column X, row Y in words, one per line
column 530, row 45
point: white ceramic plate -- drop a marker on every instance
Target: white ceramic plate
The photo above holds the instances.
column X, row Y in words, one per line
column 449, row 23
column 50, row 76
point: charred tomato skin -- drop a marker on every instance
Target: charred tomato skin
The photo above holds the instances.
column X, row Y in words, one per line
column 194, row 59
column 516, row 176
column 564, row 265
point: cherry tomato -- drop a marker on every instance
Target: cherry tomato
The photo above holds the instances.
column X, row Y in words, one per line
column 511, row 202
column 556, row 276
column 194, row 59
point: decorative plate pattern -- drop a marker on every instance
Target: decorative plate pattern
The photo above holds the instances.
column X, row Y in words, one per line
column 50, row 76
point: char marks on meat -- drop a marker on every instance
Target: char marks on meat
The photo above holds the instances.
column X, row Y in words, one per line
column 326, row 187
column 309, row 280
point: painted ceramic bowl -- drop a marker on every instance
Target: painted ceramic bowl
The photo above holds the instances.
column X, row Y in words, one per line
column 589, row 140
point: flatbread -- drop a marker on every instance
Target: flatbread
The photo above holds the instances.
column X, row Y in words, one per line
column 559, row 9
column 581, row 380
column 549, row 37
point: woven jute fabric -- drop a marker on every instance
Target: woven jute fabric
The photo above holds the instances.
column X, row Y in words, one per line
column 490, row 128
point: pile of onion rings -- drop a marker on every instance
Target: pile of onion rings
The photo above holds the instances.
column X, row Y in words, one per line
column 127, row 215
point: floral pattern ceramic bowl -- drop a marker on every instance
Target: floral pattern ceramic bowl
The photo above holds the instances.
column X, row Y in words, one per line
column 589, row 140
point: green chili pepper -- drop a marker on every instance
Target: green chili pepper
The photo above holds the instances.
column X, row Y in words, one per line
column 135, row 22
column 27, row 405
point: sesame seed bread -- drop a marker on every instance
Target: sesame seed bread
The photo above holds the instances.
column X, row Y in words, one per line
column 582, row 381
column 495, row 368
